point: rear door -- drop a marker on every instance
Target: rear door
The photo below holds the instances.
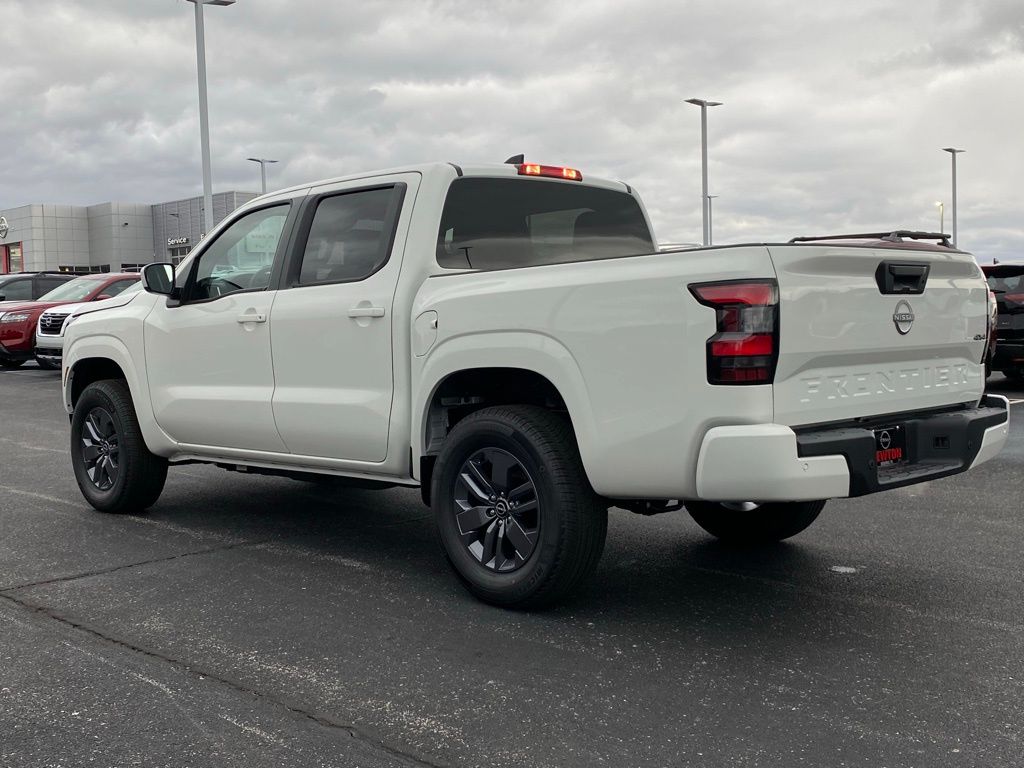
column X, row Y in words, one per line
column 868, row 331
column 332, row 325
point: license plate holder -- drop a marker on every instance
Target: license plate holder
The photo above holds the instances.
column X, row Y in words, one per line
column 890, row 446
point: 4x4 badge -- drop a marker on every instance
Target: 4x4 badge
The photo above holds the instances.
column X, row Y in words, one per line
column 903, row 318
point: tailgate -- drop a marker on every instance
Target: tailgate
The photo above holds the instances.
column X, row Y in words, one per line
column 858, row 339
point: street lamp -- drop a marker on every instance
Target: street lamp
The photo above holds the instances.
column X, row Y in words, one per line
column 942, row 216
column 204, row 116
column 705, row 205
column 263, row 169
column 710, row 220
column 953, row 153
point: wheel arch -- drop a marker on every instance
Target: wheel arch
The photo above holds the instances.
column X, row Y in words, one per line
column 505, row 372
column 94, row 358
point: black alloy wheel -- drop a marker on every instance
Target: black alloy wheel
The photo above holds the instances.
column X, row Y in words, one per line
column 516, row 516
column 115, row 470
column 497, row 510
column 101, row 449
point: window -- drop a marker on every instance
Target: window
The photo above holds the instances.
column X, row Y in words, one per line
column 85, row 269
column 47, row 284
column 175, row 255
column 505, row 223
column 117, row 287
column 131, row 267
column 349, row 237
column 242, row 256
column 73, row 290
column 17, row 290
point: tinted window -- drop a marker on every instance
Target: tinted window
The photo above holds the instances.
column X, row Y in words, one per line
column 17, row 290
column 349, row 237
column 48, row 284
column 242, row 256
column 503, row 223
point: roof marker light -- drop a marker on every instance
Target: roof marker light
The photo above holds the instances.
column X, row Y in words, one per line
column 552, row 171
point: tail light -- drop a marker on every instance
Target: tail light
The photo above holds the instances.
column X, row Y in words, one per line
column 991, row 321
column 746, row 346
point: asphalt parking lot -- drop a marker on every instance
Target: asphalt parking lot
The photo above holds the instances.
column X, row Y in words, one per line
column 250, row 621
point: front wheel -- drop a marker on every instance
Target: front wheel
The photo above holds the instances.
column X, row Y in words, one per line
column 515, row 513
column 114, row 469
column 750, row 523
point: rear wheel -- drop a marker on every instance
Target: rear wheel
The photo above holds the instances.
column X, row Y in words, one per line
column 10, row 364
column 750, row 523
column 515, row 514
column 114, row 469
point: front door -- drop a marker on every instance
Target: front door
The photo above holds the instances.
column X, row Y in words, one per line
column 211, row 379
column 332, row 323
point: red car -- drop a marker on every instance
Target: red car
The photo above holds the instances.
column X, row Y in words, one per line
column 18, row 319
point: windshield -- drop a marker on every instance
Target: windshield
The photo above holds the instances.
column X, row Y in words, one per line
column 75, row 290
column 506, row 223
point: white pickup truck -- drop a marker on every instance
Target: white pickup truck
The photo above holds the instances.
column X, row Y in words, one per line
column 507, row 338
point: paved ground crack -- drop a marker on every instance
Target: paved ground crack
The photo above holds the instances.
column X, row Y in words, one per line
column 127, row 566
column 355, row 732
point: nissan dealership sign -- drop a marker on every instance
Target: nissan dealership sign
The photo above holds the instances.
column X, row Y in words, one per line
column 4, row 229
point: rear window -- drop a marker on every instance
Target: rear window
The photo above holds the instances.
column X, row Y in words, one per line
column 508, row 223
column 1006, row 280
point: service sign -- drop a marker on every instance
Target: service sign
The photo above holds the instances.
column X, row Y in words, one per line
column 172, row 241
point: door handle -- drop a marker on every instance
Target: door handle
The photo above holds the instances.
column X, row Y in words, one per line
column 366, row 312
column 252, row 317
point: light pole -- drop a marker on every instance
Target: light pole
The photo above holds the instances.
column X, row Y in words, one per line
column 204, row 115
column 711, row 234
column 942, row 216
column 263, row 169
column 705, row 205
column 953, row 153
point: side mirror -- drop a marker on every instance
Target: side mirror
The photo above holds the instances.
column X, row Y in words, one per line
column 158, row 278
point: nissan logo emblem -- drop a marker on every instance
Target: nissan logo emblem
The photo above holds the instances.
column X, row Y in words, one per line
column 903, row 318
column 4, row 229
column 885, row 440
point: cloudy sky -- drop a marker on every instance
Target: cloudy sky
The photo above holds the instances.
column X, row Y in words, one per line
column 834, row 118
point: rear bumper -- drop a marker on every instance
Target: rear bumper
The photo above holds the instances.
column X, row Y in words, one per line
column 1009, row 354
column 771, row 462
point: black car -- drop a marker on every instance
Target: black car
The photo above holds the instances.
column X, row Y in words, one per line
column 29, row 286
column 1006, row 281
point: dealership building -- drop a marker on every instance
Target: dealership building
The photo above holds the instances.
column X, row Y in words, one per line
column 108, row 237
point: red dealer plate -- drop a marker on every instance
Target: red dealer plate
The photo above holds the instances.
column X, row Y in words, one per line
column 890, row 446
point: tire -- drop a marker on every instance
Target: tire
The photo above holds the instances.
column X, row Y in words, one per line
column 10, row 364
column 558, row 522
column 115, row 471
column 762, row 524
column 1015, row 375
column 46, row 365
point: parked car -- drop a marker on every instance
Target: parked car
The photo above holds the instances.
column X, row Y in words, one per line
column 1006, row 282
column 18, row 319
column 51, row 325
column 29, row 286
column 508, row 338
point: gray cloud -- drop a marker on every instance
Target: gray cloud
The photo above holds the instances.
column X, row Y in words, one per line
column 834, row 114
